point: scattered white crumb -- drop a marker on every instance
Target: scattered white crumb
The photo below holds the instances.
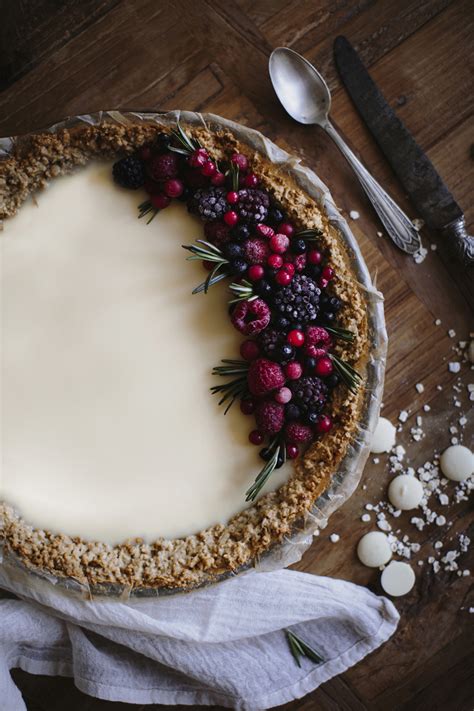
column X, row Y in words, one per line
column 376, row 460
column 438, row 322
column 365, row 518
column 420, row 387
column 434, row 247
column 454, row 367
column 418, row 223
column 379, row 234
column 334, row 537
column 354, row 215
column 451, row 333
column 466, row 573
column 438, row 544
column 440, row 520
column 462, row 421
column 420, row 255
column 426, row 408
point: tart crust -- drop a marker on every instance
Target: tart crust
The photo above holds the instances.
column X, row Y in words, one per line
column 221, row 549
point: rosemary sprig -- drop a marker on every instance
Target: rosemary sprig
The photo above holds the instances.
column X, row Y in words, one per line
column 277, row 448
column 299, row 648
column 187, row 145
column 233, row 172
column 242, row 292
column 207, row 253
column 236, row 388
column 310, row 235
column 342, row 333
column 145, row 208
column 348, row 374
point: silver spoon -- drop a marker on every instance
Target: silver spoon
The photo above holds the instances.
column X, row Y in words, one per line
column 305, row 95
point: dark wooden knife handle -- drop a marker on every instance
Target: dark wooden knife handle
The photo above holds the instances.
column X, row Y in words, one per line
column 460, row 242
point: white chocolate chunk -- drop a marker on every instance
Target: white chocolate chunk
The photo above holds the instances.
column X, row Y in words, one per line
column 457, row 462
column 405, row 492
column 384, row 436
column 374, row 549
column 397, row 579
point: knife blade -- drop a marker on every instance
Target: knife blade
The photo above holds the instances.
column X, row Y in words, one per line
column 425, row 187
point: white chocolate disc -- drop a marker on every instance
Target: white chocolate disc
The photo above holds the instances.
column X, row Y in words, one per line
column 397, row 579
column 405, row 492
column 374, row 549
column 384, row 436
column 457, row 462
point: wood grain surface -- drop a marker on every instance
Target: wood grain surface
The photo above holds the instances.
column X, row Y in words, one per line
column 63, row 58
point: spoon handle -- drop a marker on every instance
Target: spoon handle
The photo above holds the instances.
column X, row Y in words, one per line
column 398, row 225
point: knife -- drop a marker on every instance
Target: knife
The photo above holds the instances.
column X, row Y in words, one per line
column 413, row 168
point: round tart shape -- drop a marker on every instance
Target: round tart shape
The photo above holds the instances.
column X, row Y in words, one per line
column 207, row 555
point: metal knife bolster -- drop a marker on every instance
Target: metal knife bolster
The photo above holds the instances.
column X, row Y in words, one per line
column 429, row 194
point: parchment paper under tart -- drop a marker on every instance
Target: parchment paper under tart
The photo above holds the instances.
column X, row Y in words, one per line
column 279, row 527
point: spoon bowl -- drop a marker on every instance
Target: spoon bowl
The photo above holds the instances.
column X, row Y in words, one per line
column 301, row 89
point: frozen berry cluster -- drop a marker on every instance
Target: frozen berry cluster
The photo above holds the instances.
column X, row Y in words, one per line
column 287, row 308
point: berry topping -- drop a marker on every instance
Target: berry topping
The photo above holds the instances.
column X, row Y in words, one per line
column 323, row 367
column 265, row 231
column 275, row 216
column 160, row 201
column 324, row 424
column 218, row 179
column 275, row 261
column 309, row 393
column 256, row 250
column 231, row 218
column 217, row 233
column 129, row 173
column 293, row 370
column 297, row 432
column 251, row 317
column 238, row 267
column 241, row 233
column 255, row 272
column 232, row 197
column 283, row 395
column 210, row 203
column 314, row 257
column 232, row 250
column 292, row 412
column 269, row 341
column 253, row 205
column 240, row 161
column 298, row 246
column 283, row 277
column 251, row 180
column 286, row 229
column 247, row 406
column 291, row 451
column 317, row 336
column 209, row 169
column 270, row 417
column 299, row 300
column 264, row 376
column 296, row 338
column 323, row 283
column 249, row 350
column 279, row 243
column 164, row 166
column 199, row 158
column 327, row 273
column 256, row 437
column 173, row 187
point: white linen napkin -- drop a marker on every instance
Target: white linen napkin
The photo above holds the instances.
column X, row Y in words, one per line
column 222, row 645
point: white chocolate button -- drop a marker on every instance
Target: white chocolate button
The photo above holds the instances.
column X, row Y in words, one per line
column 405, row 492
column 397, row 579
column 374, row 549
column 384, row 436
column 457, row 462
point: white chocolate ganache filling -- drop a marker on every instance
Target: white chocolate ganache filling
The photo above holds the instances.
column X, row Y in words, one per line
column 108, row 429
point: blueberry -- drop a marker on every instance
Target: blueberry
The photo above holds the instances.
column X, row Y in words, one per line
column 312, row 417
column 310, row 363
column 162, row 141
column 314, row 271
column 328, row 317
column 240, row 233
column 284, row 352
column 324, row 300
column 280, row 461
column 266, row 454
column 292, row 412
column 275, row 216
column 232, row 250
column 282, row 323
column 335, row 303
column 263, row 288
column 333, row 380
column 298, row 246
column 238, row 266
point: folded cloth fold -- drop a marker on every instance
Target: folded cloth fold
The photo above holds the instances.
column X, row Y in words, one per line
column 222, row 645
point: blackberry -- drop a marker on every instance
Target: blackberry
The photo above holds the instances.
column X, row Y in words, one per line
column 263, row 289
column 238, row 267
column 232, row 250
column 252, row 206
column 313, row 271
column 292, row 411
column 209, row 204
column 309, row 393
column 270, row 340
column 129, row 172
column 275, row 217
column 240, row 233
column 298, row 246
column 282, row 323
column 299, row 300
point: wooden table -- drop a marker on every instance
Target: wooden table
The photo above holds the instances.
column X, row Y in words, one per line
column 72, row 57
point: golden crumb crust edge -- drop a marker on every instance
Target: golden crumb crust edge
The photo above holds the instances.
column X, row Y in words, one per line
column 221, row 549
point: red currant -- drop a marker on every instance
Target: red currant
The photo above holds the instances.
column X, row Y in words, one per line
column 290, row 268
column 314, row 257
column 265, row 231
column 251, row 180
column 275, row 261
column 286, row 229
column 232, row 197
column 291, row 451
column 247, row 406
column 295, row 338
column 279, row 243
column 323, row 367
column 293, row 370
column 174, row 188
column 324, row 424
column 249, row 350
column 160, row 201
column 283, row 278
column 256, row 437
column 240, row 160
column 209, row 169
column 255, row 272
column 323, row 283
column 198, row 158
column 327, row 273
column 218, row 179
column 231, row 218
column 283, row 395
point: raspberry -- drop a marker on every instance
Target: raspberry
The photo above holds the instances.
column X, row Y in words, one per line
column 249, row 350
column 293, row 370
column 270, row 417
column 198, row 158
column 265, row 231
column 298, row 260
column 317, row 336
column 217, row 233
column 264, row 376
column 256, row 251
column 251, row 317
column 164, row 166
column 279, row 243
column 296, row 432
column 240, row 160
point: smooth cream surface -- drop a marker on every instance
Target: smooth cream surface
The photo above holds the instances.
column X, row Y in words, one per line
column 108, row 429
